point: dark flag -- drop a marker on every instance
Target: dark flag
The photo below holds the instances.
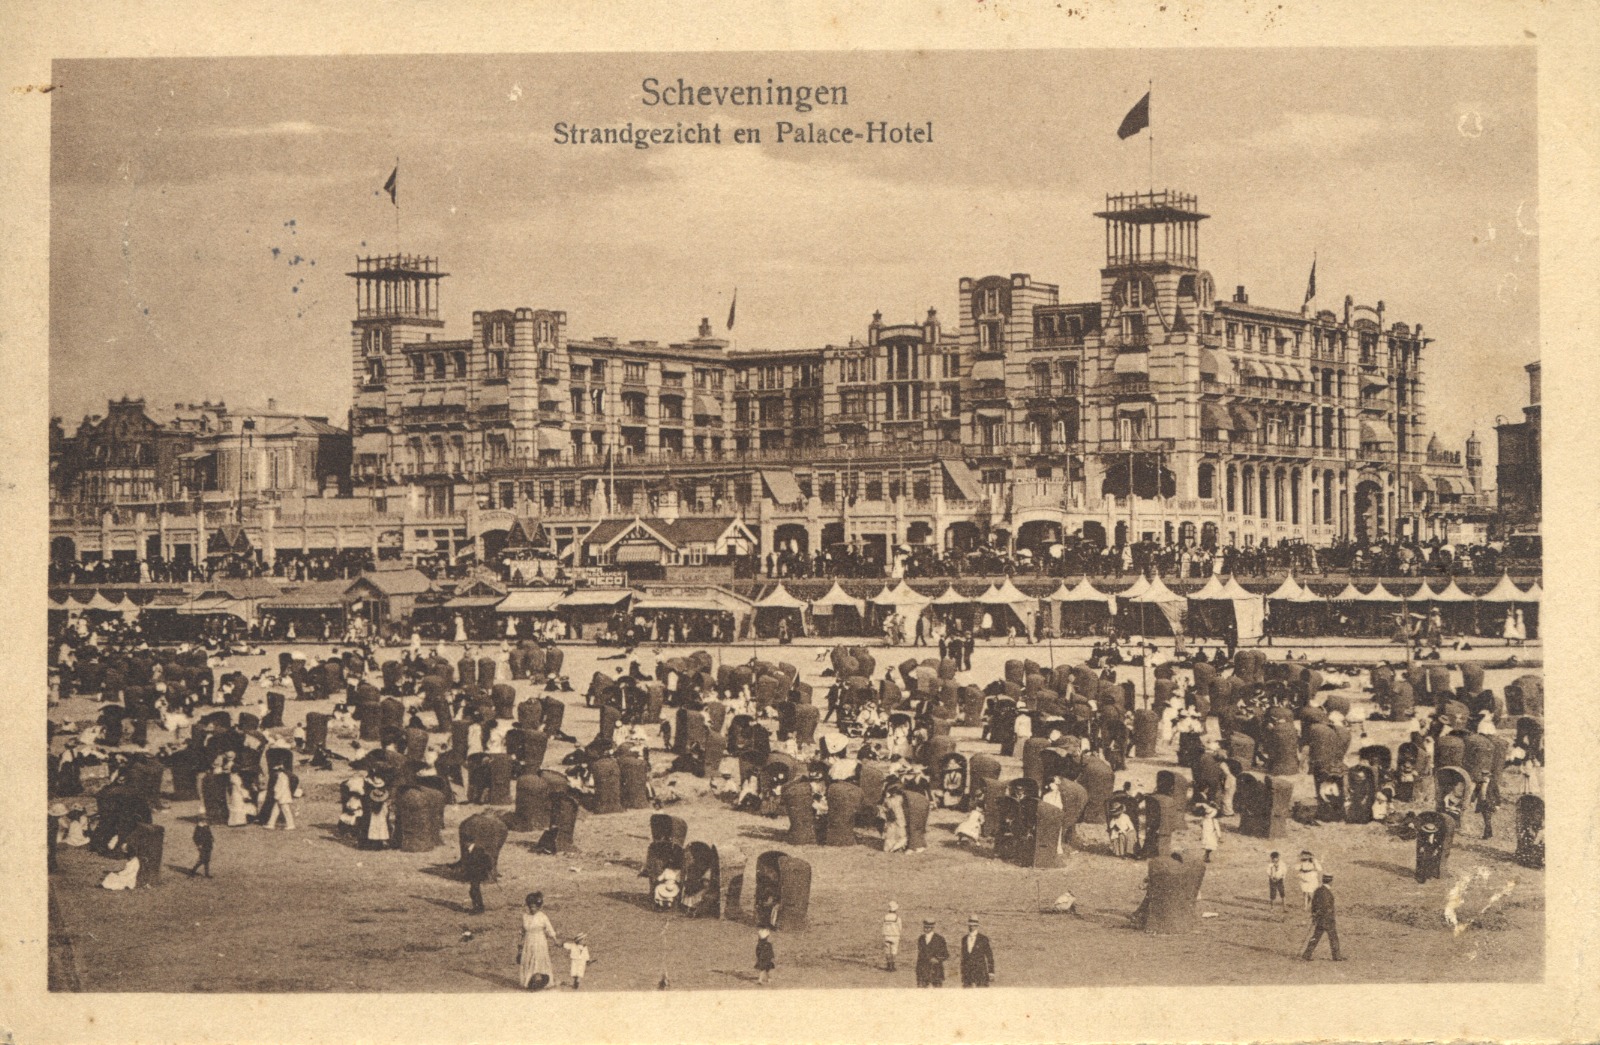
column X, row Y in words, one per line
column 392, row 186
column 1138, row 118
column 1311, row 284
column 734, row 305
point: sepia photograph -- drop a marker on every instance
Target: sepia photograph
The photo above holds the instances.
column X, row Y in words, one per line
column 747, row 520
column 739, row 522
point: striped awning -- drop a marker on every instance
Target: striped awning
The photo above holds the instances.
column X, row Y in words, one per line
column 1211, row 363
column 1376, row 432
column 1293, row 372
column 553, row 440
column 1215, row 417
column 1250, row 368
column 1132, row 363
column 1245, row 420
column 707, row 406
column 989, row 370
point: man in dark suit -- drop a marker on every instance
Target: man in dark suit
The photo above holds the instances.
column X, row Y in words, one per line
column 477, row 868
column 203, row 841
column 977, row 959
column 931, row 956
column 1323, row 920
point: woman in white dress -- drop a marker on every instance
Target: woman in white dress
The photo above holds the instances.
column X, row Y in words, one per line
column 126, row 878
column 894, row 821
column 533, row 950
column 238, row 797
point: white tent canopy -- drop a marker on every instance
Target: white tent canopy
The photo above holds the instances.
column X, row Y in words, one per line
column 901, row 594
column 1156, row 592
column 1379, row 594
column 837, row 596
column 1506, row 590
column 1452, row 593
column 1214, row 589
column 1289, row 591
column 1140, row 586
column 1083, row 591
column 779, row 598
column 1350, row 594
column 950, row 597
column 1007, row 594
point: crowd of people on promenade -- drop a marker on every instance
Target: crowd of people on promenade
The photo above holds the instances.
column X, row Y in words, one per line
column 1078, row 557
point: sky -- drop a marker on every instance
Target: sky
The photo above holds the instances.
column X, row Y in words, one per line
column 204, row 212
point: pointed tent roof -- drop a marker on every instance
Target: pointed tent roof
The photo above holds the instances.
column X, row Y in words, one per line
column 951, row 597
column 1379, row 594
column 1452, row 593
column 1504, row 591
column 1006, row 594
column 1289, row 591
column 1140, row 586
column 837, row 596
column 1213, row 589
column 1535, row 593
column 1083, row 591
column 1350, row 594
column 100, row 602
column 1157, row 592
column 779, row 598
column 1237, row 592
column 902, row 594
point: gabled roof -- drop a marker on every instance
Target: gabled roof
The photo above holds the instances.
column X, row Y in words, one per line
column 398, row 582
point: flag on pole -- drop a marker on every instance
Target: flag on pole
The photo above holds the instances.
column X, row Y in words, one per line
column 1311, row 284
column 392, row 186
column 731, row 307
column 1138, row 118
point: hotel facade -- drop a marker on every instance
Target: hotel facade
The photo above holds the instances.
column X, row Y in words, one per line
column 1158, row 411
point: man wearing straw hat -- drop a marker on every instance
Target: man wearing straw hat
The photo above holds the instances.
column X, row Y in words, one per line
column 977, row 958
column 931, row 956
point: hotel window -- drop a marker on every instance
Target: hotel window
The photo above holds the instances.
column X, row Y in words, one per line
column 496, row 359
column 543, row 331
column 577, row 402
column 952, row 365
column 579, row 374
column 498, row 332
column 459, row 360
column 372, row 341
column 439, row 366
column 419, row 368
column 598, row 369
column 633, row 372
column 597, row 402
column 375, row 372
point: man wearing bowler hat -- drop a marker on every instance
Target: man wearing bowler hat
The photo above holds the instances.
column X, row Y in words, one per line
column 977, row 959
column 1323, row 920
column 931, row 956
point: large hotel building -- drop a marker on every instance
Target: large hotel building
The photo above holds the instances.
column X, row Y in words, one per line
column 1159, row 410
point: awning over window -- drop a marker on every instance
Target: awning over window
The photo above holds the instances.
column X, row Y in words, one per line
column 595, row 597
column 472, row 602
column 1250, row 368
column 530, row 601
column 965, row 482
column 1215, row 417
column 372, row 443
column 989, row 370
column 635, row 552
column 1211, row 363
column 990, row 413
column 195, row 455
column 1132, row 363
column 553, row 439
column 678, row 603
column 1245, row 420
column 1291, row 372
column 782, row 485
column 1376, row 432
column 1450, row 484
column 707, row 406
column 1374, row 380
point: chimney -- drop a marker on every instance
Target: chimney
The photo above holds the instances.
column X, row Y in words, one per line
column 272, row 404
column 1240, row 296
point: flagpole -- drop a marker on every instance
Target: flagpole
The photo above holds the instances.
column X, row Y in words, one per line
column 1151, row 95
column 397, row 205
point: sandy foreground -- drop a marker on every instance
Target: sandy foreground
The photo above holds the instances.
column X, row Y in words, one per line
column 306, row 911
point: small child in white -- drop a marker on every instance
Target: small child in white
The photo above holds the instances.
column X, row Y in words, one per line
column 578, row 950
column 1120, row 831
